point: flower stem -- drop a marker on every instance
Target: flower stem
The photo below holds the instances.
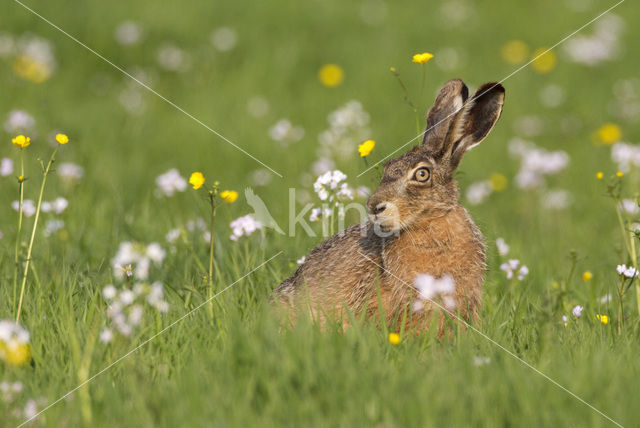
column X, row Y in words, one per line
column 212, row 199
column 33, row 231
column 20, row 215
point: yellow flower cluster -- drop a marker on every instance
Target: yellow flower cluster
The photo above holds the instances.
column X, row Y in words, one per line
column 515, row 52
column 196, row 180
column 609, row 133
column 422, row 58
column 14, row 344
column 604, row 319
column 498, row 182
column 331, row 75
column 394, row 338
column 30, row 69
column 229, row 196
column 587, row 276
column 62, row 139
column 366, row 148
column 543, row 61
column 21, row 141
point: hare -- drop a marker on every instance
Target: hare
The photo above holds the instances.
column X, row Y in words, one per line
column 416, row 225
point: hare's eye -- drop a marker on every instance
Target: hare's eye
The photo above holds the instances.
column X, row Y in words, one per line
column 422, row 174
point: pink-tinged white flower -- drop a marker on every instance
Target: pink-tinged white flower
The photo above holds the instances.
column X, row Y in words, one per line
column 478, row 192
column 330, row 186
column 625, row 155
column 536, row 162
column 244, row 226
column 577, row 311
column 52, row 226
column 106, row 335
column 135, row 259
column 171, row 182
column 57, row 206
column 28, row 207
column 565, row 319
column 629, row 272
column 128, row 33
column 19, row 121
column 6, row 167
column 503, row 247
column 513, row 268
column 630, row 207
column 70, row 172
column 285, row 132
column 430, row 287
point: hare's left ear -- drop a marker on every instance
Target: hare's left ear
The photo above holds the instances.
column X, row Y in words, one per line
column 473, row 122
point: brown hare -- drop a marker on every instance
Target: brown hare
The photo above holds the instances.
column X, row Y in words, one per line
column 416, row 226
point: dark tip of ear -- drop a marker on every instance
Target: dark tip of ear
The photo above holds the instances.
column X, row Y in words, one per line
column 494, row 88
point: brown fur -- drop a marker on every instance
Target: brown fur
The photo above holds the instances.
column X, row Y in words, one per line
column 367, row 271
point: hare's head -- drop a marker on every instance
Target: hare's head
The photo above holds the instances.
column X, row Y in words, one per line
column 420, row 184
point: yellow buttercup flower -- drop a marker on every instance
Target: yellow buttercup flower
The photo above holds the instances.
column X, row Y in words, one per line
column 21, row 141
column 62, row 139
column 515, row 52
column 15, row 353
column 394, row 338
column 196, row 180
column 546, row 62
column 229, row 196
column 599, row 175
column 609, row 133
column 498, row 182
column 604, row 319
column 366, row 148
column 587, row 276
column 30, row 69
column 619, row 174
column 422, row 58
column 331, row 75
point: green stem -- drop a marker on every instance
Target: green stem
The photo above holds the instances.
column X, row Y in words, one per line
column 20, row 215
column 33, row 231
column 212, row 199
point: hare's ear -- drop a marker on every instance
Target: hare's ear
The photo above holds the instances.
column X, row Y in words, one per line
column 473, row 122
column 450, row 99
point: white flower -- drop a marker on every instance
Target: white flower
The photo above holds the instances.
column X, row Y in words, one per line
column 128, row 33
column 602, row 45
column 59, row 204
column 224, row 39
column 52, row 226
column 536, row 162
column 6, row 167
column 284, row 132
column 556, row 199
column 503, row 247
column 12, row 333
column 28, row 207
column 511, row 267
column 172, row 58
column 565, row 319
column 30, row 409
column 301, row 260
column 69, row 171
column 605, row 299
column 173, row 235
column 481, row 361
column 106, row 335
column 19, row 121
column 630, row 207
column 109, row 292
column 629, row 272
column 430, row 287
column 155, row 252
column 326, row 184
column 171, row 182
column 625, row 156
column 478, row 192
column 348, row 126
column 258, row 107
column 244, row 226
column 127, row 297
column 577, row 311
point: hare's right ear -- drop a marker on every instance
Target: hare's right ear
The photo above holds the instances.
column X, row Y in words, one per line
column 473, row 122
column 450, row 100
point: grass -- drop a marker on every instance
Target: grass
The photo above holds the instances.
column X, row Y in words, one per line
column 239, row 367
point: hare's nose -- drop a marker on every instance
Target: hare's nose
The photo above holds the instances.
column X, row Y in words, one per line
column 379, row 208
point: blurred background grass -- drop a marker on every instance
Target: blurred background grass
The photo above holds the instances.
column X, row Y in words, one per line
column 241, row 371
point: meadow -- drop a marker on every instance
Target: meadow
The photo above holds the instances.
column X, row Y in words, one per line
column 124, row 321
